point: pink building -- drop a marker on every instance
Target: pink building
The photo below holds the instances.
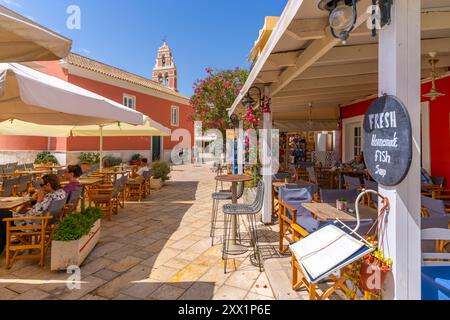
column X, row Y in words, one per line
column 158, row 98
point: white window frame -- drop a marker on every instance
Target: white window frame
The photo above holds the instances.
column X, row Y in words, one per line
column 128, row 97
column 172, row 120
column 349, row 141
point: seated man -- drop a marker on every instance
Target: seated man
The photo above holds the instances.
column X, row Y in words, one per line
column 357, row 164
column 72, row 174
column 51, row 191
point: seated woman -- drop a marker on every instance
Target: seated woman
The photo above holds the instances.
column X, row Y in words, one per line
column 72, row 174
column 50, row 191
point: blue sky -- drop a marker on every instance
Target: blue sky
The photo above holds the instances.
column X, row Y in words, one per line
column 127, row 34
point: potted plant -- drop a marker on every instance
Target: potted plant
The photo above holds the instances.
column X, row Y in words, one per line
column 250, row 187
column 111, row 161
column 74, row 238
column 136, row 159
column 88, row 159
column 160, row 174
column 45, row 158
column 374, row 270
column 368, row 275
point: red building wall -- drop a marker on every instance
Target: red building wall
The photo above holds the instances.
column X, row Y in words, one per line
column 156, row 108
column 439, row 126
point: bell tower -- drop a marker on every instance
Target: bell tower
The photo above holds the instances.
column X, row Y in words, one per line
column 165, row 71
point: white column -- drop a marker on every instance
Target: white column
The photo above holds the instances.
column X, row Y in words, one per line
column 399, row 74
column 267, row 164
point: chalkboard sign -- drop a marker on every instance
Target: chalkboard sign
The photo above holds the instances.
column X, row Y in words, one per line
column 388, row 141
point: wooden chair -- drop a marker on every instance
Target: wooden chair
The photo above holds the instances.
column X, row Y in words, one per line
column 102, row 197
column 288, row 214
column 9, row 187
column 135, row 189
column 147, row 184
column 32, row 241
column 299, row 280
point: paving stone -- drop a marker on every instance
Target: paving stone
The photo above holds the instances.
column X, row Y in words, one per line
column 199, row 291
column 6, row 294
column 254, row 297
column 163, row 273
column 142, row 290
column 243, row 279
column 32, row 294
column 191, row 273
column 167, row 292
column 123, row 282
column 124, row 264
column 230, row 293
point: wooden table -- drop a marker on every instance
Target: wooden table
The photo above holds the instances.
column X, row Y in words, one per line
column 235, row 248
column 85, row 182
column 5, row 204
column 327, row 211
column 33, row 172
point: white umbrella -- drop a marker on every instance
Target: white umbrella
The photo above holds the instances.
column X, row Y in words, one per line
column 23, row 40
column 32, row 96
column 150, row 128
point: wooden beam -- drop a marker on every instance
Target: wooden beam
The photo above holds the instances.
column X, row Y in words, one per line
column 353, row 53
column 307, row 29
column 366, row 79
column 328, row 91
column 316, row 50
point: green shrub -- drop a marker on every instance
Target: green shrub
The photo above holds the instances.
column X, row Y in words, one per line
column 110, row 161
column 161, row 170
column 89, row 158
column 45, row 157
column 136, row 157
column 77, row 225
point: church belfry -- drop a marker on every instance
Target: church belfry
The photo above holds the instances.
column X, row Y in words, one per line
column 165, row 71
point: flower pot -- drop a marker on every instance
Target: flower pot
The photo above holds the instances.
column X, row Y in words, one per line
column 372, row 277
column 156, row 184
column 73, row 253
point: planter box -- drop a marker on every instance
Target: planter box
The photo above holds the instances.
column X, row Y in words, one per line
column 156, row 184
column 73, row 253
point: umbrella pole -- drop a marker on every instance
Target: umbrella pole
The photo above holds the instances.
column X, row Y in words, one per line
column 101, row 148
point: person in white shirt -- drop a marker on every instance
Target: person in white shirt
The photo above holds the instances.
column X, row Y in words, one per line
column 143, row 167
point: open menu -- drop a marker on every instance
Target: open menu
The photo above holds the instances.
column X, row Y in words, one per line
column 328, row 250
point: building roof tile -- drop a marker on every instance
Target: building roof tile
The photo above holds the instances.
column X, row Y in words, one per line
column 113, row 72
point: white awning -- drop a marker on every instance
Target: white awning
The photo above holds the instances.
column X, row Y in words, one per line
column 32, row 96
column 150, row 128
column 23, row 40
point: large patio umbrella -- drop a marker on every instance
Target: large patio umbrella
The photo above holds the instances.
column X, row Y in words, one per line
column 23, row 40
column 150, row 128
column 32, row 96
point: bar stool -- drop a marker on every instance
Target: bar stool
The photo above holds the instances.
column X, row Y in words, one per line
column 222, row 196
column 250, row 211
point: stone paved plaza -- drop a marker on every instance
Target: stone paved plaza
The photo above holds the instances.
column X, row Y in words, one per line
column 159, row 249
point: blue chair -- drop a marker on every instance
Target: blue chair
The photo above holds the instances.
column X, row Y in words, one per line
column 436, row 267
column 353, row 182
column 291, row 212
column 332, row 195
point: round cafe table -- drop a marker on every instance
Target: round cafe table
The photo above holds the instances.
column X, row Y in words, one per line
column 235, row 248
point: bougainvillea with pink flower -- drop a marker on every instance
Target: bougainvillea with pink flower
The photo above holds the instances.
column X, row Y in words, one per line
column 214, row 95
